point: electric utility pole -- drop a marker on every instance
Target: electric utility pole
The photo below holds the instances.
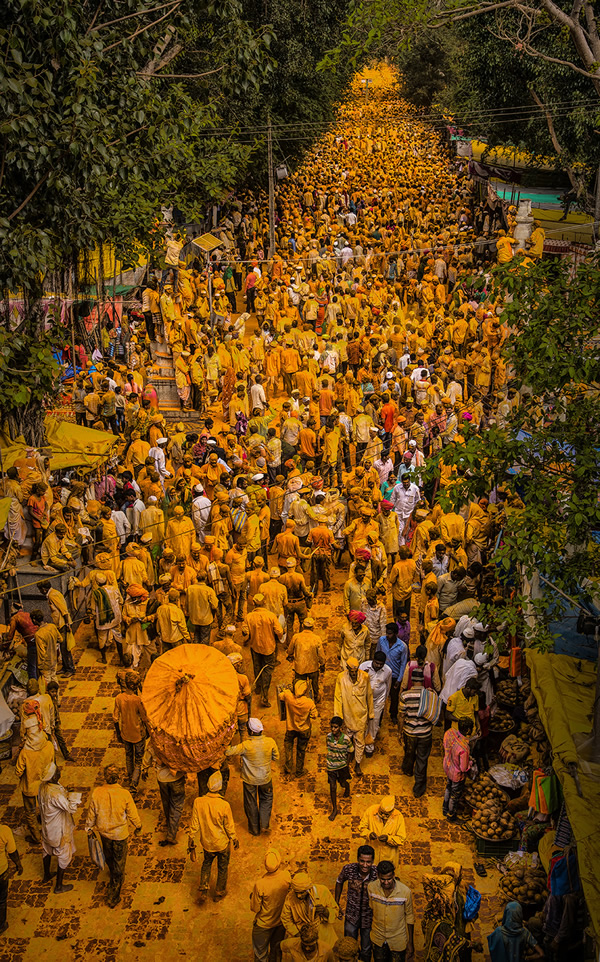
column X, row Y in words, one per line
column 271, row 188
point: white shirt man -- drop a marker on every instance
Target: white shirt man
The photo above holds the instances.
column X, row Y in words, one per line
column 380, row 676
column 157, row 453
column 201, row 506
column 121, row 524
column 258, row 398
column 404, row 497
column 383, row 468
column 454, row 391
column 133, row 513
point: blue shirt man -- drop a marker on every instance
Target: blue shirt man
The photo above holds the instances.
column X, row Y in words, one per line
column 396, row 652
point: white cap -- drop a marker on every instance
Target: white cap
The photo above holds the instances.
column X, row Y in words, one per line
column 255, row 725
column 162, row 441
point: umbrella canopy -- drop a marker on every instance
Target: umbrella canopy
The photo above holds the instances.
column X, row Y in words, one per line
column 190, row 695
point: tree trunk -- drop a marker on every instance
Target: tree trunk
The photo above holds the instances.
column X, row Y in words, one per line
column 28, row 422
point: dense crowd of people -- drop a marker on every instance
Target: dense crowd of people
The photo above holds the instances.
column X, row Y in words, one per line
column 365, row 345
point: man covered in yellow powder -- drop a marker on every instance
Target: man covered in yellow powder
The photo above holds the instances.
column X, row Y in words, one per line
column 266, row 901
column 307, row 947
column 212, row 820
column 353, row 701
column 536, row 241
column 33, row 760
column 110, row 812
column 504, row 247
column 382, row 826
column 307, row 903
column 180, row 534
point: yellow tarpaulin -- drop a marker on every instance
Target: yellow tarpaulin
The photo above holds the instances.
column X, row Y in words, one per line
column 565, row 689
column 71, row 445
column 207, row 242
column 5, row 504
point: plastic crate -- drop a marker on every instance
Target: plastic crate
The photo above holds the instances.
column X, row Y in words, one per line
column 495, row 848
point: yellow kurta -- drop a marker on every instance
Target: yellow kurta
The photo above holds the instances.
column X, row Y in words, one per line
column 213, row 821
column 354, row 700
column 32, row 763
column 181, row 534
column 393, row 827
column 297, row 912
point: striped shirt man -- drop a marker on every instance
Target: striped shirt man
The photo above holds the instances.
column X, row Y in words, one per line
column 392, row 912
column 408, row 705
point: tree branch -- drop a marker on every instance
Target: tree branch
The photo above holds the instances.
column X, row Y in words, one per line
column 130, row 16
column 177, row 76
column 155, row 65
column 163, row 54
column 30, row 195
column 466, row 14
column 576, row 182
column 592, row 29
column 125, row 136
column 95, row 17
column 595, row 78
column 143, row 29
column 576, row 9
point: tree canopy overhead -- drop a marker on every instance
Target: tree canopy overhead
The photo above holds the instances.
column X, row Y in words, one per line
column 96, row 135
column 544, row 454
column 520, row 72
column 109, row 110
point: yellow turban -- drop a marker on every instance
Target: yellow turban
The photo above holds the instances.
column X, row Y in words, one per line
column 272, row 860
column 301, row 882
column 440, row 632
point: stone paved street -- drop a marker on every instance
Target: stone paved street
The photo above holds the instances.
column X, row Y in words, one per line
column 157, row 913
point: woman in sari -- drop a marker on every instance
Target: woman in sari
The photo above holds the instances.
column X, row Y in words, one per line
column 510, row 941
column 444, row 928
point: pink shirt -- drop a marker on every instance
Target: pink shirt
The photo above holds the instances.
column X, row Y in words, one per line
column 456, row 755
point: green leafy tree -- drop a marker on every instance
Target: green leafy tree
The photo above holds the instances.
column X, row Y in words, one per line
column 546, row 450
column 98, row 130
column 299, row 100
column 524, row 73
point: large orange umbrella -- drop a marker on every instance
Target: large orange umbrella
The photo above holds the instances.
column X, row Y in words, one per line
column 190, row 695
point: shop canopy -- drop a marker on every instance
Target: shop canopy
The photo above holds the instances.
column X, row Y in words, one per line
column 565, row 690
column 70, row 446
